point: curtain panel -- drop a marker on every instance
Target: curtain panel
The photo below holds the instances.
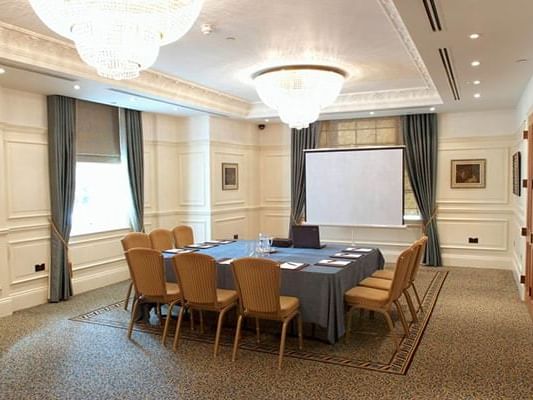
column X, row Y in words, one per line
column 135, row 163
column 62, row 174
column 420, row 136
column 301, row 139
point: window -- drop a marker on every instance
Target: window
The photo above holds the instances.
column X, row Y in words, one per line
column 369, row 132
column 102, row 198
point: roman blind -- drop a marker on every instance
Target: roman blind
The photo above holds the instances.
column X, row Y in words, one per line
column 97, row 136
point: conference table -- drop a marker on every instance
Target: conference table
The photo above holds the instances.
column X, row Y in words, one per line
column 319, row 288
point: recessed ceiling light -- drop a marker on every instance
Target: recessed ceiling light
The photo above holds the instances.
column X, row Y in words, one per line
column 521, row 60
column 2, row 71
column 266, row 120
column 476, row 82
column 474, row 36
column 477, row 95
column 206, row 29
column 475, row 63
column 432, row 109
column 77, row 87
column 372, row 113
column 231, row 38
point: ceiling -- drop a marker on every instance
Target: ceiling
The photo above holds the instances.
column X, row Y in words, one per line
column 365, row 37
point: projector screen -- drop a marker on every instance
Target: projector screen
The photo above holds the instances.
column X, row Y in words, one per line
column 356, row 186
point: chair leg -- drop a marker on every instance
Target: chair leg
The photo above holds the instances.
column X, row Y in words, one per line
column 282, row 343
column 401, row 315
column 237, row 337
column 130, row 328
column 348, row 323
column 201, row 322
column 257, row 331
column 158, row 312
column 391, row 327
column 192, row 319
column 300, row 332
column 219, row 328
column 417, row 296
column 167, row 322
column 130, row 287
column 178, row 327
column 410, row 305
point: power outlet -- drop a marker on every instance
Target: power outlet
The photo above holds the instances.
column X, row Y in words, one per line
column 236, row 236
column 39, row 267
column 473, row 240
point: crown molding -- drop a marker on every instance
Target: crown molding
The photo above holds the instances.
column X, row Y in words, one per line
column 21, row 46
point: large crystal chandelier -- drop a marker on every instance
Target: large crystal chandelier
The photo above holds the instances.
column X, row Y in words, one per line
column 119, row 37
column 299, row 92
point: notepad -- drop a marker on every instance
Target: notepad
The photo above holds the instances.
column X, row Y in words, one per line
column 219, row 241
column 346, row 255
column 225, row 261
column 333, row 263
column 200, row 246
column 178, row 251
column 291, row 265
column 358, row 249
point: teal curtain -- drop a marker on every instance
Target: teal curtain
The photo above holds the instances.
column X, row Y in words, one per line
column 62, row 173
column 301, row 139
column 135, row 156
column 420, row 136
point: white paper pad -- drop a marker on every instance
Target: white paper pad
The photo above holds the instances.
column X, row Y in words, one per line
column 226, row 261
column 347, row 255
column 291, row 265
column 177, row 251
column 340, row 263
column 200, row 246
column 364, row 250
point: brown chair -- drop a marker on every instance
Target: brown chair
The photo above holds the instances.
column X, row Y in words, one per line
column 183, row 236
column 388, row 274
column 380, row 300
column 258, row 281
column 130, row 241
column 147, row 270
column 197, row 277
column 385, row 284
column 161, row 239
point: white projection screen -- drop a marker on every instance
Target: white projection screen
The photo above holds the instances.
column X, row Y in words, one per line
column 354, row 187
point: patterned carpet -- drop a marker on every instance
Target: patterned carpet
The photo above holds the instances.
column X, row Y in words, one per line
column 370, row 346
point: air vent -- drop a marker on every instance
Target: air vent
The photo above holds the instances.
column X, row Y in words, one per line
column 448, row 67
column 433, row 15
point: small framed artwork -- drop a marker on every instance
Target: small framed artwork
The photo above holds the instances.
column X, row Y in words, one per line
column 516, row 173
column 230, row 176
column 468, row 174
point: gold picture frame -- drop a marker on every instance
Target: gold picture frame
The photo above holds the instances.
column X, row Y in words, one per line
column 468, row 174
column 230, row 176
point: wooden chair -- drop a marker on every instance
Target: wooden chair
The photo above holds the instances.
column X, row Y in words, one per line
column 258, row 283
column 147, row 270
column 183, row 236
column 380, row 300
column 197, row 277
column 388, row 274
column 130, row 241
column 161, row 239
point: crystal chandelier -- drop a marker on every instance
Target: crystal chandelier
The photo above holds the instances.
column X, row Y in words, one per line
column 119, row 37
column 299, row 92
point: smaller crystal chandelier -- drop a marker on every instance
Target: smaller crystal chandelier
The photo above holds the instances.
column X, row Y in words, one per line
column 299, row 92
column 119, row 37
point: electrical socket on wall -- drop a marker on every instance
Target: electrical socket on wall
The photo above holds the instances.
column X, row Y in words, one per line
column 236, row 236
column 473, row 240
column 39, row 267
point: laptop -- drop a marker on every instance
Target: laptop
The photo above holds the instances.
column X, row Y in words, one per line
column 306, row 236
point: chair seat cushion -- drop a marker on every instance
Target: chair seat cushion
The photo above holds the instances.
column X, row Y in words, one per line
column 376, row 283
column 360, row 295
column 288, row 305
column 384, row 274
column 226, row 297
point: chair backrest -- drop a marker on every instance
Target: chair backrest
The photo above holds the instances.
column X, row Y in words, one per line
column 422, row 242
column 136, row 239
column 258, row 281
column 403, row 264
column 161, row 239
column 197, row 277
column 147, row 271
column 183, row 235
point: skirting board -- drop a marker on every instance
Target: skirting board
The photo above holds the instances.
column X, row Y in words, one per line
column 36, row 296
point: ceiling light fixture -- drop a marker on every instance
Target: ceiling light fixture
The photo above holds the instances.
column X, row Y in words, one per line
column 477, row 95
column 432, row 109
column 77, row 87
column 476, row 82
column 2, row 71
column 119, row 37
column 475, row 63
column 206, row 29
column 371, row 112
column 474, row 36
column 299, row 92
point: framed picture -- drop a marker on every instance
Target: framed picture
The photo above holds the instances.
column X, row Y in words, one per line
column 468, row 174
column 516, row 173
column 230, row 176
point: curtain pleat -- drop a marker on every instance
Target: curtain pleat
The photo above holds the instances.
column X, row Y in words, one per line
column 420, row 135
column 135, row 161
column 301, row 139
column 62, row 174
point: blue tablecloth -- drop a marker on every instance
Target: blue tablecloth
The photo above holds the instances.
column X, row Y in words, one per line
column 319, row 288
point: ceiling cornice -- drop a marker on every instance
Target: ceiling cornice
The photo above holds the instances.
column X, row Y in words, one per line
column 21, row 46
